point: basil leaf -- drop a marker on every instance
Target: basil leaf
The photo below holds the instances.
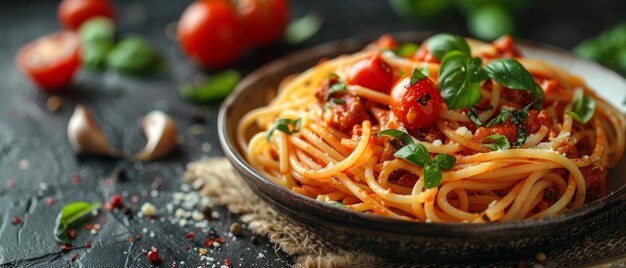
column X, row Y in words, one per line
column 512, row 74
column 414, row 153
column 441, row 44
column 403, row 137
column 406, row 49
column 97, row 29
column 518, row 117
column 334, row 87
column 94, row 53
column 583, row 107
column 217, row 87
column 302, row 29
column 472, row 114
column 499, row 142
column 445, row 161
column 71, row 215
column 132, row 54
column 501, row 118
column 336, row 204
column 284, row 124
column 522, row 135
column 432, row 176
column 459, row 80
column 337, row 101
column 417, row 76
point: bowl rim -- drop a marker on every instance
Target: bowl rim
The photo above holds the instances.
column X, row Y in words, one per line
column 335, row 214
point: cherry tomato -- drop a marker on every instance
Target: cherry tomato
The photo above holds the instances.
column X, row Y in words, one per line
column 385, row 41
column 72, row 13
column 417, row 106
column 372, row 72
column 210, row 34
column 51, row 60
column 263, row 20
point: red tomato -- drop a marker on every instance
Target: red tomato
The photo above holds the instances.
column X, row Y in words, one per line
column 263, row 20
column 385, row 41
column 416, row 106
column 372, row 72
column 72, row 13
column 51, row 60
column 210, row 34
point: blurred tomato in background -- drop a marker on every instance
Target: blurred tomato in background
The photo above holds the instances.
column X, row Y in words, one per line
column 72, row 13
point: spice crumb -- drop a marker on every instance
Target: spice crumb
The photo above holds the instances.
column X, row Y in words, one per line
column 74, row 257
column 541, row 257
column 16, row 221
column 235, row 229
column 53, row 104
column 11, row 184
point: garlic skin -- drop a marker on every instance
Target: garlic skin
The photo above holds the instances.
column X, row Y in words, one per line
column 85, row 135
column 160, row 131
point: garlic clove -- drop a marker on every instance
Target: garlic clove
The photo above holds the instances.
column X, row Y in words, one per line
column 85, row 135
column 160, row 131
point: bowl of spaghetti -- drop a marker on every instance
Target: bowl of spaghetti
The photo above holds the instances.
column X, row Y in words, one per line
column 446, row 150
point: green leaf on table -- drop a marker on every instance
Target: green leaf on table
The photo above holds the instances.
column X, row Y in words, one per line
column 94, row 53
column 441, row 44
column 583, row 107
column 97, row 29
column 285, row 125
column 133, row 55
column 72, row 215
column 302, row 29
column 496, row 142
column 217, row 87
column 459, row 80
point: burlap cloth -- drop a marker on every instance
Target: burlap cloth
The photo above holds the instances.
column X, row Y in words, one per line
column 216, row 177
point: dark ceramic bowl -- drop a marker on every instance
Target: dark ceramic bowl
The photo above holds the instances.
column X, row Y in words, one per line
column 405, row 239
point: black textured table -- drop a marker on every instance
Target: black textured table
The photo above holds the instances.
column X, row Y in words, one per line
column 37, row 165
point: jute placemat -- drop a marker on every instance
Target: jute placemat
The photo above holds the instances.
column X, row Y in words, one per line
column 218, row 179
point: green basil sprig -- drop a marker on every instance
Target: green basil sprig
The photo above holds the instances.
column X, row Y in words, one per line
column 72, row 215
column 512, row 74
column 496, row 142
column 417, row 154
column 518, row 117
column 441, row 44
column 285, row 125
column 583, row 107
column 459, row 80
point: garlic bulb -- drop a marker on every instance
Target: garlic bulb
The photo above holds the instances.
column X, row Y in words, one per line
column 85, row 136
column 160, row 131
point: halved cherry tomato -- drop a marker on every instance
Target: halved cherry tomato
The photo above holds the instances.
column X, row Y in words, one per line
column 372, row 72
column 210, row 33
column 417, row 106
column 72, row 13
column 51, row 60
column 263, row 20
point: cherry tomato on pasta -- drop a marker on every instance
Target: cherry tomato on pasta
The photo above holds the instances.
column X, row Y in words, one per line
column 51, row 60
column 373, row 73
column 210, row 33
column 417, row 106
column 263, row 20
column 72, row 13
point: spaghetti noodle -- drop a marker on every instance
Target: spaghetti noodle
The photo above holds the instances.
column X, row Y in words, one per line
column 511, row 154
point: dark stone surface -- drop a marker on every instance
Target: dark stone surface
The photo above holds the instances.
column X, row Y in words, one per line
column 30, row 134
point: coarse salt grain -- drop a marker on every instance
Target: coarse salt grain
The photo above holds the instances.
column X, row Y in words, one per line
column 197, row 215
column 148, row 209
column 215, row 214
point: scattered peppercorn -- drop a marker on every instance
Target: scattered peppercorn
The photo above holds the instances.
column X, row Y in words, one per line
column 197, row 115
column 235, row 229
column 120, row 175
column 74, row 257
column 53, row 103
column 207, row 214
column 88, row 244
column 127, row 211
column 541, row 257
column 186, row 247
column 153, row 256
column 16, row 221
column 254, row 239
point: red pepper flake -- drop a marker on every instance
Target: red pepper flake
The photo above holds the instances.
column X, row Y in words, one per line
column 88, row 226
column 228, row 262
column 209, row 242
column 17, row 221
column 108, row 182
column 76, row 179
column 115, row 201
column 186, row 247
column 153, row 256
column 97, row 226
column 71, row 233
column 48, row 201
column 88, row 244
column 65, row 247
column 219, row 240
column 190, row 235
column 74, row 257
column 11, row 184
